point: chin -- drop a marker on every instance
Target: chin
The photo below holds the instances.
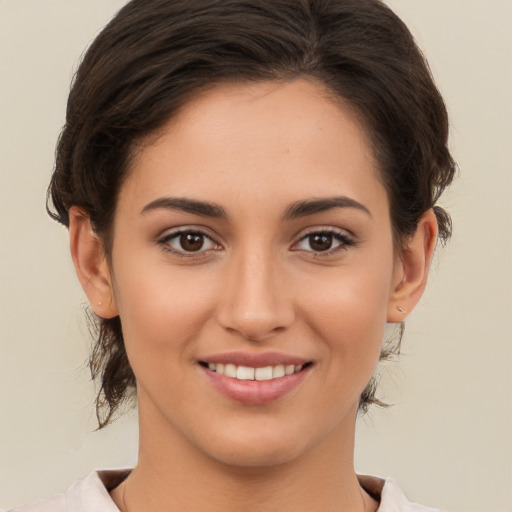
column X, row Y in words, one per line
column 258, row 454
column 265, row 444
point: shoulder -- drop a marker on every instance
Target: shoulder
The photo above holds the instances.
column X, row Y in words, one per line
column 89, row 493
column 390, row 496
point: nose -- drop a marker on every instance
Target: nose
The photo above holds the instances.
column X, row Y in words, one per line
column 256, row 302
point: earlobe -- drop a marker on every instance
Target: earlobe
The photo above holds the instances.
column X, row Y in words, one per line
column 412, row 269
column 90, row 263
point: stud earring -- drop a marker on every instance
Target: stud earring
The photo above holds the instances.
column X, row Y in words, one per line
column 400, row 309
column 99, row 304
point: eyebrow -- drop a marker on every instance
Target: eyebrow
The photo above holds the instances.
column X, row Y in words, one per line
column 312, row 206
column 295, row 210
column 202, row 208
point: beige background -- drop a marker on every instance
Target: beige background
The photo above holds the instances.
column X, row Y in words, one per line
column 448, row 439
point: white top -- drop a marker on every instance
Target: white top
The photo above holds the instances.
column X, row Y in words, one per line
column 91, row 494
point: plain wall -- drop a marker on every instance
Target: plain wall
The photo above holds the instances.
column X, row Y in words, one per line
column 448, row 438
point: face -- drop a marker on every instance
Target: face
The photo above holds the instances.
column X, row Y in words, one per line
column 252, row 269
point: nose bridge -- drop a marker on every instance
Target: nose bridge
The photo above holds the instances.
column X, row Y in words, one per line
column 255, row 301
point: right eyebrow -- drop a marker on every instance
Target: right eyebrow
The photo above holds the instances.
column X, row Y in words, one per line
column 319, row 205
column 202, row 208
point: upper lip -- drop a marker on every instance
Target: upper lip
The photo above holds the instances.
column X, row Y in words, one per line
column 254, row 360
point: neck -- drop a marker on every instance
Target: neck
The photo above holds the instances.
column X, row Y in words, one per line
column 173, row 475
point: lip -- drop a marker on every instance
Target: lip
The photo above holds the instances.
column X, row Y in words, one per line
column 254, row 360
column 253, row 392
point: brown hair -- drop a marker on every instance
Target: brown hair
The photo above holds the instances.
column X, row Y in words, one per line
column 155, row 55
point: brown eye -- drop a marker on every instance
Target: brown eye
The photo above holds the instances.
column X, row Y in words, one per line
column 191, row 242
column 188, row 242
column 328, row 242
column 320, row 242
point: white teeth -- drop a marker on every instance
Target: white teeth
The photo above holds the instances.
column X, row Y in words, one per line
column 248, row 373
column 264, row 373
column 230, row 370
column 245, row 373
column 278, row 371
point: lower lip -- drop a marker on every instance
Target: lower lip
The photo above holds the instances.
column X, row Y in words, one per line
column 255, row 392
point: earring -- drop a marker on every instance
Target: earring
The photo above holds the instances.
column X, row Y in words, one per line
column 400, row 309
column 99, row 304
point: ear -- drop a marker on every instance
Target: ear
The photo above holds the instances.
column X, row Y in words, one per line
column 411, row 271
column 91, row 265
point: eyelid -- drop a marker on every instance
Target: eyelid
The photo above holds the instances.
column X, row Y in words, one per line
column 171, row 234
column 345, row 238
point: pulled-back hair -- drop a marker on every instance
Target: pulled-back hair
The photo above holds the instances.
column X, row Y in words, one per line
column 155, row 55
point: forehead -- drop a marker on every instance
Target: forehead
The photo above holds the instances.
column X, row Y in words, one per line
column 266, row 139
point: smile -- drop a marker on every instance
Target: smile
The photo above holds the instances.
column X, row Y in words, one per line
column 255, row 379
column 249, row 373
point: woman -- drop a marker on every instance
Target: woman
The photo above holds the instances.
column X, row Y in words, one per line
column 250, row 190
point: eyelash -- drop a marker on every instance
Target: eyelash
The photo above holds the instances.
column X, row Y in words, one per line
column 164, row 243
column 345, row 242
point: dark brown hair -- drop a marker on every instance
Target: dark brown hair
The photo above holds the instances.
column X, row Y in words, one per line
column 155, row 55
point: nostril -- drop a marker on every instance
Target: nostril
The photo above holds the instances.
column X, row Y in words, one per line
column 255, row 309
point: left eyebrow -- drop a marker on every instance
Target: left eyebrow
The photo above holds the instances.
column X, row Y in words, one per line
column 312, row 206
column 203, row 208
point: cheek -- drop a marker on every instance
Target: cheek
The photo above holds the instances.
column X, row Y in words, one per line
column 161, row 311
column 350, row 301
column 348, row 316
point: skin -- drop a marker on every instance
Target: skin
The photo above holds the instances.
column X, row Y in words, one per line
column 256, row 284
